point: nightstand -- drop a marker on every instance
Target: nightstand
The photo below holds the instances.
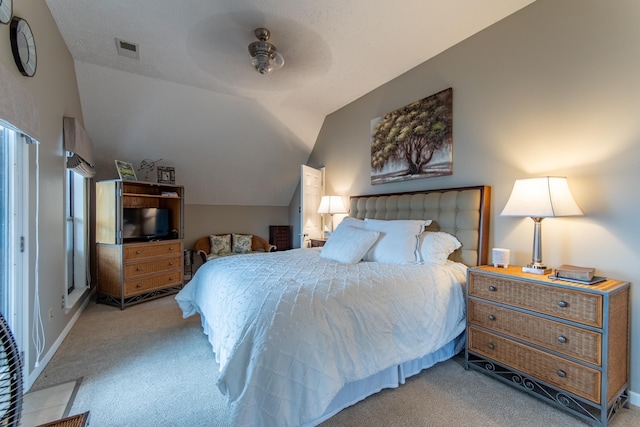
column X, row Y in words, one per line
column 563, row 342
column 317, row 243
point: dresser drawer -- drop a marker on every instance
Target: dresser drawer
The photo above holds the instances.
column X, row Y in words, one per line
column 146, row 284
column 566, row 339
column 134, row 269
column 134, row 251
column 577, row 379
column 564, row 303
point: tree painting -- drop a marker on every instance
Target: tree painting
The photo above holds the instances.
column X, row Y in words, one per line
column 414, row 141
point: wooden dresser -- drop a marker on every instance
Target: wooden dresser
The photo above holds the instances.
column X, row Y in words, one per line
column 130, row 271
column 139, row 271
column 281, row 236
column 563, row 342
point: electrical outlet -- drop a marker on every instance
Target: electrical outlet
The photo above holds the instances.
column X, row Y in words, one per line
column 50, row 314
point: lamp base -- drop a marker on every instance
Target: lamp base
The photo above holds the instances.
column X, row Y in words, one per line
column 536, row 269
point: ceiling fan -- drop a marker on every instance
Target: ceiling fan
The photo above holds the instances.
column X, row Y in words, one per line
column 265, row 56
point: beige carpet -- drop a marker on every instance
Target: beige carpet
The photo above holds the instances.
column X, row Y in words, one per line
column 146, row 366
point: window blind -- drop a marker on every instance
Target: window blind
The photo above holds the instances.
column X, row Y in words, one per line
column 17, row 106
column 80, row 148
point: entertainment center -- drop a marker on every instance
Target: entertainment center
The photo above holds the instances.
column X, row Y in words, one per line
column 139, row 249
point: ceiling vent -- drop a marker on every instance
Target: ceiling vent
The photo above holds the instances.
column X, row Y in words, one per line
column 128, row 49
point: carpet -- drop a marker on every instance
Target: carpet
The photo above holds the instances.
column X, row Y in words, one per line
column 147, row 366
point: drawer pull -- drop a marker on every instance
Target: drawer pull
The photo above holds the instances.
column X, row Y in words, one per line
column 170, row 248
column 170, row 262
column 138, row 286
column 492, row 288
column 562, row 304
column 491, row 317
column 138, row 269
column 561, row 373
column 562, row 339
column 138, row 252
column 491, row 346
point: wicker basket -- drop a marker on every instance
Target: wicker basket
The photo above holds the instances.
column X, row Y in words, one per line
column 80, row 420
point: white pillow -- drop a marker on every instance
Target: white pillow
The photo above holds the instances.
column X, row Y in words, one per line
column 436, row 246
column 352, row 222
column 348, row 244
column 398, row 241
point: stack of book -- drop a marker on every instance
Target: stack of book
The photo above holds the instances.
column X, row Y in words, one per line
column 573, row 273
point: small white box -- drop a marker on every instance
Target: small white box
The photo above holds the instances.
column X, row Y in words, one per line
column 501, row 257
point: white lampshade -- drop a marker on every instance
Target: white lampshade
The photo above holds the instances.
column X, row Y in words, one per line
column 540, row 198
column 544, row 197
column 332, row 205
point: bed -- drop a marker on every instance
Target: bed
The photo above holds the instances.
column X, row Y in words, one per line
column 300, row 335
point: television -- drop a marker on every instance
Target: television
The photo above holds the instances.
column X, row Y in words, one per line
column 140, row 224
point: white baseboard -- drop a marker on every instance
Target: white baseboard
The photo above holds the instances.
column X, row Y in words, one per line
column 634, row 398
column 31, row 378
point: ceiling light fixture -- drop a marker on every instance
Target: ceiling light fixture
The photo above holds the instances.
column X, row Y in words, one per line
column 264, row 56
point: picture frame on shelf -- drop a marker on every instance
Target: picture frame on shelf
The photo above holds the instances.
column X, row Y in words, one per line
column 166, row 175
column 126, row 171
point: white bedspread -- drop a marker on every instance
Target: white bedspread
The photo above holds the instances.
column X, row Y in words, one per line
column 290, row 329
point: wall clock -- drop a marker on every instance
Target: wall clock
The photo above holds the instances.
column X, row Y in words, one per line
column 6, row 10
column 23, row 46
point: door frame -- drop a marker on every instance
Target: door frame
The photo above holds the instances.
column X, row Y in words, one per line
column 310, row 219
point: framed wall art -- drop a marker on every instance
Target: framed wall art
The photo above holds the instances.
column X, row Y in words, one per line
column 414, row 141
column 126, row 171
column 166, row 175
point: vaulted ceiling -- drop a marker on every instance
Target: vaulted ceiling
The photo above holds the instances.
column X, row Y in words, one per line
column 192, row 99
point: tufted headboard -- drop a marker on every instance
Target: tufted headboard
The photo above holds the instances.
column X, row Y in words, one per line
column 463, row 212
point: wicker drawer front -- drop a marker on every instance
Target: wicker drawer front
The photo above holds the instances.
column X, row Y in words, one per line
column 564, row 303
column 146, row 284
column 570, row 376
column 149, row 267
column 146, row 250
column 579, row 343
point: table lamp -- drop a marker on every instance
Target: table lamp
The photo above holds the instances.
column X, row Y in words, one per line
column 540, row 198
column 332, row 205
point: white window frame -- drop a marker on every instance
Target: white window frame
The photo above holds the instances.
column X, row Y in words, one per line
column 77, row 254
column 17, row 288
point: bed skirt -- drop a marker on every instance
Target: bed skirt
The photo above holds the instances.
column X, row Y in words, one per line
column 392, row 377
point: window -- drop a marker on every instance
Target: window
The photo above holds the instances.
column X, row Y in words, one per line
column 79, row 170
column 77, row 233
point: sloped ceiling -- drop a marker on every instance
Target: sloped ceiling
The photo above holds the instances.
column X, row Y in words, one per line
column 192, row 99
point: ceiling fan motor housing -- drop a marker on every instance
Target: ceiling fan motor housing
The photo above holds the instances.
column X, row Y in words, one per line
column 265, row 56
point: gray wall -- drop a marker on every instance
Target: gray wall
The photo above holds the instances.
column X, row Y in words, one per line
column 55, row 94
column 550, row 90
column 202, row 220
